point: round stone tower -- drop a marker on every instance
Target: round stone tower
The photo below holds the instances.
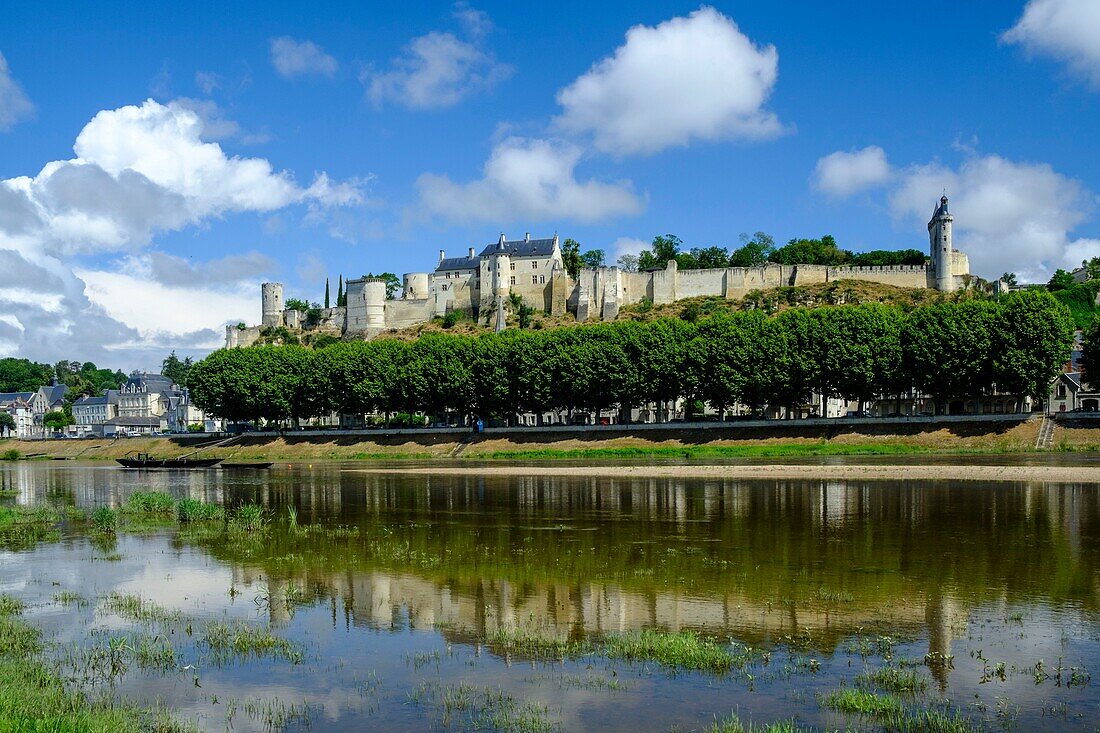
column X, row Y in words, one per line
column 374, row 297
column 272, row 294
column 416, row 285
column 941, row 247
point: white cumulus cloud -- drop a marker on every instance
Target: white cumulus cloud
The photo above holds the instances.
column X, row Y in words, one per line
column 1009, row 216
column 293, row 58
column 532, row 179
column 439, row 69
column 15, row 106
column 693, row 78
column 138, row 171
column 1068, row 30
column 842, row 174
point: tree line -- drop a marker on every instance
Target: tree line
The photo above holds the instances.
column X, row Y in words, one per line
column 1015, row 345
column 755, row 251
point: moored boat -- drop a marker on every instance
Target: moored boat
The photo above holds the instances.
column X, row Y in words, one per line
column 247, row 465
column 144, row 460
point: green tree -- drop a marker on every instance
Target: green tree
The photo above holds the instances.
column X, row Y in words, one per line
column 948, row 349
column 663, row 249
column 297, row 304
column 326, row 294
column 393, row 284
column 627, row 263
column 341, row 295
column 1009, row 278
column 435, row 375
column 887, row 258
column 7, row 424
column 705, row 259
column 1034, row 337
column 23, row 375
column 176, row 368
column 860, row 350
column 822, row 251
column 1090, row 354
column 56, row 420
column 753, row 252
column 365, row 376
column 571, row 257
column 593, row 258
column 1091, row 268
column 1060, row 280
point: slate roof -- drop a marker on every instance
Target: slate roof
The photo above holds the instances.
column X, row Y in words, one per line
column 151, row 383
column 522, row 248
column 13, row 396
column 1074, row 377
column 54, row 393
column 89, row 401
column 458, row 263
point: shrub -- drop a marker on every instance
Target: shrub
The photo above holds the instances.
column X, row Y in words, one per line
column 149, row 502
column 11, row 455
column 193, row 510
column 105, row 519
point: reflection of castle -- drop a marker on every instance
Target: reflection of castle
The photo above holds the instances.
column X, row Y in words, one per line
column 480, row 283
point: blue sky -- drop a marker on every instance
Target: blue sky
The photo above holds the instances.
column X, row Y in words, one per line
column 220, row 148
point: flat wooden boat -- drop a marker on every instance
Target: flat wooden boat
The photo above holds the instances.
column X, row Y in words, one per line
column 144, row 460
column 248, row 465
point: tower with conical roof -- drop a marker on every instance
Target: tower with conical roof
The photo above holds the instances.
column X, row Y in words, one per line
column 941, row 248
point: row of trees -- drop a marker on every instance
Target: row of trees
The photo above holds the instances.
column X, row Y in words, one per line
column 1015, row 345
column 82, row 378
column 755, row 251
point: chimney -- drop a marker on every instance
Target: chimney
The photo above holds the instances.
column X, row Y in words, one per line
column 527, row 237
column 441, row 253
column 471, row 251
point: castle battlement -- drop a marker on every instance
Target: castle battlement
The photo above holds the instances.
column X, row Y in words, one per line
column 480, row 284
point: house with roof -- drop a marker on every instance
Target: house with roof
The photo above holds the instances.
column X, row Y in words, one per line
column 22, row 407
column 90, row 414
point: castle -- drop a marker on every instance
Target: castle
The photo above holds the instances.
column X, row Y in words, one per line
column 480, row 284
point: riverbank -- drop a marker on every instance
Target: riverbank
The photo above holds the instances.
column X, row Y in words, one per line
column 874, row 472
column 767, row 440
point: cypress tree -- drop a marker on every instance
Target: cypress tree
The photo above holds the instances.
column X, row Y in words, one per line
column 341, row 296
column 326, row 294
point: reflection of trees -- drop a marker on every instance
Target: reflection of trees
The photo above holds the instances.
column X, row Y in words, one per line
column 759, row 558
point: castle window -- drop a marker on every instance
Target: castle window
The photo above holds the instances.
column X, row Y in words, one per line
column 512, row 280
column 542, row 279
column 444, row 287
column 534, row 279
column 513, row 265
column 534, row 265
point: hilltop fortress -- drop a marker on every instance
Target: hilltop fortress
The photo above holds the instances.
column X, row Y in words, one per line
column 480, row 284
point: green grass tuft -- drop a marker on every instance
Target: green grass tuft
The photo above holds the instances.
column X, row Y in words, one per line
column 864, row 703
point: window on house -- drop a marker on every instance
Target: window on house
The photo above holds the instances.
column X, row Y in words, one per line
column 444, row 287
column 534, row 265
column 513, row 265
column 534, row 279
column 542, row 279
column 1061, row 391
column 512, row 281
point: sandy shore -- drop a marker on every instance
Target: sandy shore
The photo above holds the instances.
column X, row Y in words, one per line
column 877, row 472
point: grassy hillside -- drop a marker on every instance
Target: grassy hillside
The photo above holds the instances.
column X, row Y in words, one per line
column 1081, row 301
column 840, row 292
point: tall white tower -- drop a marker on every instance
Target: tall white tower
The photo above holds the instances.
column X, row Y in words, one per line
column 941, row 248
column 272, row 294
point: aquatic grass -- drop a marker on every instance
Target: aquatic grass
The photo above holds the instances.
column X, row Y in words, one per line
column 249, row 518
column 893, row 680
column 862, row 702
column 11, row 454
column 10, row 605
column 240, row 639
column 33, row 697
column 193, row 510
column 684, row 650
column 532, row 644
column 733, row 724
column 923, row 720
column 150, row 502
column 141, row 610
column 23, row 527
column 466, row 707
column 105, row 519
column 69, row 598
